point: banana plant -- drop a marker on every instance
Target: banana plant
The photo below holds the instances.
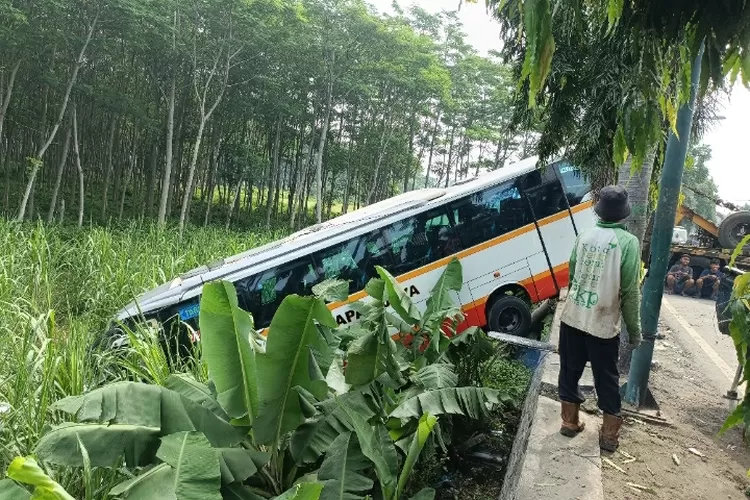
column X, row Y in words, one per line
column 308, row 413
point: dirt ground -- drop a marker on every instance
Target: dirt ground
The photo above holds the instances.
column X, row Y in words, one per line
column 688, row 383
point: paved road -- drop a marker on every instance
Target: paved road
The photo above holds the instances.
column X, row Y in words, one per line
column 692, row 324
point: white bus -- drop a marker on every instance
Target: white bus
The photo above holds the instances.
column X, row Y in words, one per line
column 512, row 229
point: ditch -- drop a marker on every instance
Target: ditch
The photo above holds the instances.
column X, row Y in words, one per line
column 476, row 461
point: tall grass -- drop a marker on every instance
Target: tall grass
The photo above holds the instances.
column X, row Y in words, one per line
column 59, row 287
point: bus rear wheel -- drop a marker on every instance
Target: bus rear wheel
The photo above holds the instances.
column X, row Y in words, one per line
column 511, row 315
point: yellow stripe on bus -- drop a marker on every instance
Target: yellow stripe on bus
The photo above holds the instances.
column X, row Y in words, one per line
column 475, row 249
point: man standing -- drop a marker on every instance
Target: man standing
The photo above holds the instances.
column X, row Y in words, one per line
column 604, row 287
column 680, row 277
column 707, row 285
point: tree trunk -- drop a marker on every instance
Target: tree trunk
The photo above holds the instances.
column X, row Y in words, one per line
column 40, row 154
column 234, row 201
column 151, row 181
column 383, row 145
column 319, row 159
column 108, row 167
column 60, row 170
column 166, row 183
column 210, row 182
column 6, row 99
column 188, row 195
column 128, row 174
column 432, row 150
column 638, row 185
column 272, row 175
column 77, row 153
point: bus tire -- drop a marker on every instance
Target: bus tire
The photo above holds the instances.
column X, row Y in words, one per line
column 510, row 314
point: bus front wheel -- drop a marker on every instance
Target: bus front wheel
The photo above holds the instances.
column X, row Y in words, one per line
column 511, row 315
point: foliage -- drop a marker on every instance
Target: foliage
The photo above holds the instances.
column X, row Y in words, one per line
column 739, row 329
column 308, row 95
column 700, row 186
column 84, row 275
column 619, row 73
column 268, row 422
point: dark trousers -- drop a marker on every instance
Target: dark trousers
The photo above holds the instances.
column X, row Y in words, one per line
column 576, row 348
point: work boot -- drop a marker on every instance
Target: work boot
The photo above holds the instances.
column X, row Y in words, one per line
column 571, row 423
column 609, row 435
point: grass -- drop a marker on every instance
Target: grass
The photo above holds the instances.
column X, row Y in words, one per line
column 59, row 287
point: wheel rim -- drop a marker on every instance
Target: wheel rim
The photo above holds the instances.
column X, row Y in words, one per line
column 509, row 320
column 740, row 231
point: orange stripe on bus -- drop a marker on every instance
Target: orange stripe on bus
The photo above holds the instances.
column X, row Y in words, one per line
column 471, row 251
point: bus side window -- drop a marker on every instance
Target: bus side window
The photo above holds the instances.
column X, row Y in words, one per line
column 574, row 181
column 421, row 239
column 545, row 192
column 262, row 295
column 354, row 260
column 490, row 213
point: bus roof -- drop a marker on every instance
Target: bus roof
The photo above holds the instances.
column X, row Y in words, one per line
column 403, row 202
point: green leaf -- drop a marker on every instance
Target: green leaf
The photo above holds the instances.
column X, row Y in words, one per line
column 424, row 429
column 227, row 349
column 450, row 283
column 424, row 494
column 738, row 250
column 303, row 491
column 335, row 377
column 620, row 153
column 187, row 386
column 341, row 470
column 314, row 437
column 106, row 444
column 614, row 12
column 197, row 473
column 236, row 464
column 289, row 362
column 239, row 492
column 25, row 470
column 400, row 300
column 10, row 490
column 125, row 419
column 372, row 354
column 436, row 376
column 469, row 401
column 332, row 290
column 157, row 482
column 376, row 445
column 540, row 46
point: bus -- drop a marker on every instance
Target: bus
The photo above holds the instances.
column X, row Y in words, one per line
column 512, row 229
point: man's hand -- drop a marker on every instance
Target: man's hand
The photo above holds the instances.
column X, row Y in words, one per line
column 634, row 341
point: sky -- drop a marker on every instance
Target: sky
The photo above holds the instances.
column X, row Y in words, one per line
column 729, row 138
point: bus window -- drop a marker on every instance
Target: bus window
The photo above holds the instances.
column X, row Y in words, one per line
column 354, row 260
column 421, row 239
column 545, row 192
column 574, row 181
column 262, row 294
column 490, row 213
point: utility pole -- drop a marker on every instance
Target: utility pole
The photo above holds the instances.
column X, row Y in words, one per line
column 636, row 388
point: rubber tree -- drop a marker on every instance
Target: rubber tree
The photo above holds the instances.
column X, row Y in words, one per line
column 669, row 193
column 38, row 159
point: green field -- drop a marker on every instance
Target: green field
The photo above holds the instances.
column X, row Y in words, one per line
column 59, row 287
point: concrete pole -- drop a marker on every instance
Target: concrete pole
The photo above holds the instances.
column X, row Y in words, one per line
column 653, row 289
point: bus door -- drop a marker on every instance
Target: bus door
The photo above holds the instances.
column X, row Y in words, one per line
column 555, row 229
column 496, row 229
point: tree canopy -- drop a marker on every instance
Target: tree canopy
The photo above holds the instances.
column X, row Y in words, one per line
column 606, row 78
column 260, row 110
